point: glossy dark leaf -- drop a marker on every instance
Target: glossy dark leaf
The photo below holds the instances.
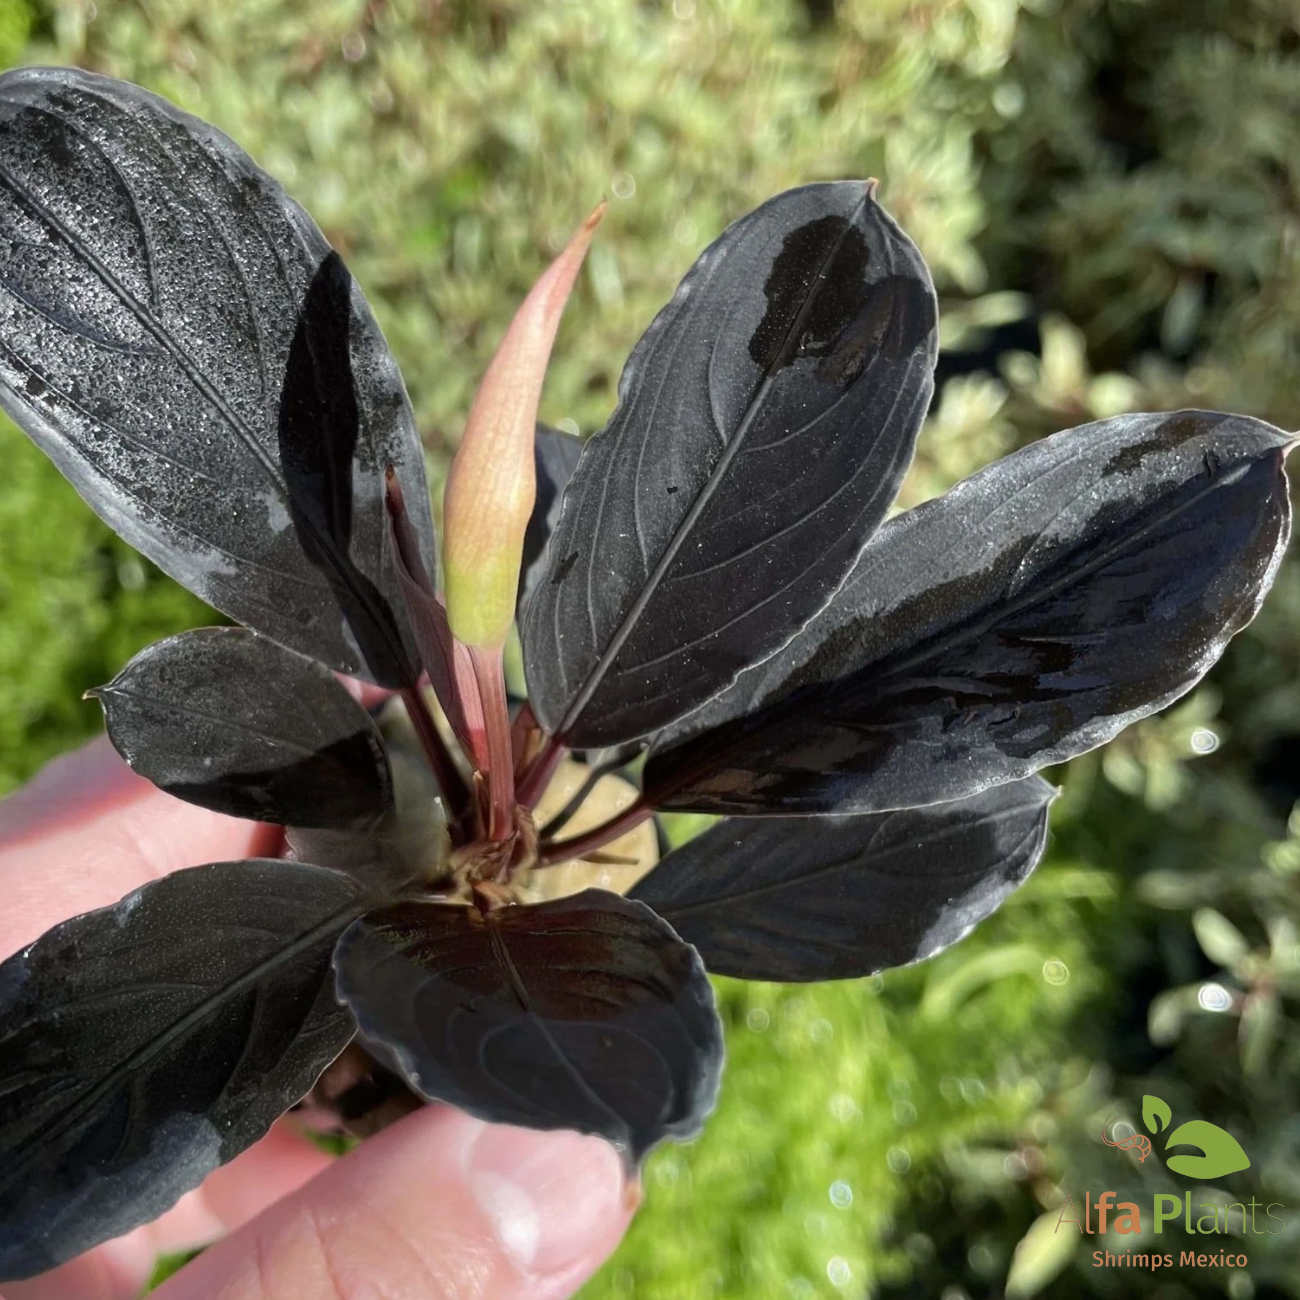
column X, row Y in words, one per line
column 555, row 457
column 181, row 340
column 226, row 719
column 1028, row 615
column 145, row 1044
column 585, row 1013
column 763, row 425
column 796, row 898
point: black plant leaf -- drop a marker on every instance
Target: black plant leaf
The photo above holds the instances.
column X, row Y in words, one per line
column 764, row 423
column 585, row 1013
column 555, row 457
column 145, row 1044
column 178, row 336
column 227, row 719
column 1028, row 615
column 786, row 898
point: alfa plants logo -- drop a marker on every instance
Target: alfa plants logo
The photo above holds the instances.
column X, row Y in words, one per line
column 1220, row 1154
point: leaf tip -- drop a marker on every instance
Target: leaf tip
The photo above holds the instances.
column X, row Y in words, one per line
column 595, row 217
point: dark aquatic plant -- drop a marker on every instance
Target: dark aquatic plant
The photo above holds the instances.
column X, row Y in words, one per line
column 711, row 578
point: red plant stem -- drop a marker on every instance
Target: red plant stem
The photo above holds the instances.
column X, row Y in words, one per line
column 532, row 784
column 490, row 676
column 589, row 841
column 443, row 766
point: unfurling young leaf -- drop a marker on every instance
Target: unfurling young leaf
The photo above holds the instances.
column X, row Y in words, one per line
column 145, row 1044
column 585, row 1013
column 785, row 898
column 178, row 336
column 491, row 486
column 226, row 719
column 1026, row 616
column 764, row 423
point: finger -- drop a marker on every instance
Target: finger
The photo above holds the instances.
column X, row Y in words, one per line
column 278, row 1165
column 439, row 1205
column 86, row 830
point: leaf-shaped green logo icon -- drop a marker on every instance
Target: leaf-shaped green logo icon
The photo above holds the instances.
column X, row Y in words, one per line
column 1156, row 1114
column 1222, row 1153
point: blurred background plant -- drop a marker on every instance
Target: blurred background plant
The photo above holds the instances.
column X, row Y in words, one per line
column 1107, row 191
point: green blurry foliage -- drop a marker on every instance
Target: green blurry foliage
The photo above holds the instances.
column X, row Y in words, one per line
column 1110, row 185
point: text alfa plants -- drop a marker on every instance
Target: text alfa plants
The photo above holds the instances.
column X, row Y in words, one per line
column 710, row 581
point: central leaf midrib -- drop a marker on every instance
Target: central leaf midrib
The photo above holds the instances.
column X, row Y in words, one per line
column 150, row 323
column 698, row 506
column 520, row 990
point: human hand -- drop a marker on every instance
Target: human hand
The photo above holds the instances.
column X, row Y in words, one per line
column 437, row 1206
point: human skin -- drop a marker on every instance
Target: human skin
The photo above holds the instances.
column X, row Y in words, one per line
column 438, row 1207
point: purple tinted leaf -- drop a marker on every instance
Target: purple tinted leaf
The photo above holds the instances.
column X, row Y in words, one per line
column 228, row 720
column 798, row 898
column 764, row 423
column 145, row 1044
column 178, row 336
column 585, row 1013
column 1028, row 615
column 555, row 457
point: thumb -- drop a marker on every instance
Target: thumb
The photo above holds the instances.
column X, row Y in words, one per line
column 439, row 1206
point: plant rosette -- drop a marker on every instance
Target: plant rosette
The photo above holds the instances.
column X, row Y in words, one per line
column 709, row 597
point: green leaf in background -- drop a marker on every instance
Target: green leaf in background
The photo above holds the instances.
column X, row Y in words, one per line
column 1040, row 1256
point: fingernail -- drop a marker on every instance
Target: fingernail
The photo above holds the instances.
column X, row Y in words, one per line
column 552, row 1198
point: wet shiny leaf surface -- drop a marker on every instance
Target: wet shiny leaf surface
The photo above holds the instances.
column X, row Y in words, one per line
column 1028, row 615
column 764, row 423
column 229, row 720
column 585, row 1013
column 145, row 1044
column 796, row 899
column 178, row 336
